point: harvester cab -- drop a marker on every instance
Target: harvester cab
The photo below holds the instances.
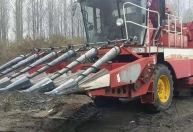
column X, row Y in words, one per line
column 119, row 19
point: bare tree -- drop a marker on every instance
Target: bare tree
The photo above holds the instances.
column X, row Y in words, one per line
column 50, row 8
column 19, row 19
column 64, row 3
column 188, row 13
column 35, row 18
column 4, row 19
column 40, row 18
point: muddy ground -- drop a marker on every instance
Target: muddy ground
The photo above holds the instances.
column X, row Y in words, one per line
column 76, row 113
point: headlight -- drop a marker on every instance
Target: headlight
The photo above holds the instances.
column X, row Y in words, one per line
column 120, row 22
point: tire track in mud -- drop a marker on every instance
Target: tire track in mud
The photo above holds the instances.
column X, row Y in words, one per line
column 22, row 112
column 79, row 114
column 88, row 113
column 178, row 118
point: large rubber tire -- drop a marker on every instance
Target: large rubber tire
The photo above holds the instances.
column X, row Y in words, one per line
column 163, row 88
column 102, row 101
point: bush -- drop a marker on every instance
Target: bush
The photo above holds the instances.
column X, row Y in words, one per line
column 9, row 50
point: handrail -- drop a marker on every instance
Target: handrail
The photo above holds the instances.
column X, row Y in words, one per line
column 147, row 27
column 173, row 16
column 176, row 18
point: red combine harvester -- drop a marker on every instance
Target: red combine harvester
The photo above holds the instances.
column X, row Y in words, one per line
column 138, row 48
column 155, row 60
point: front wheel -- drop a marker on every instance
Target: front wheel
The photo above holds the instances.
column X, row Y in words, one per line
column 163, row 88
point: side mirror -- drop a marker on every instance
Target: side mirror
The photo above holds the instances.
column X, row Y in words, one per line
column 74, row 6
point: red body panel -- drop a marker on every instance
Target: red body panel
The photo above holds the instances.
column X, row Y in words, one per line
column 191, row 66
column 182, row 68
column 171, row 38
column 109, row 67
column 126, row 91
column 119, row 76
column 124, row 88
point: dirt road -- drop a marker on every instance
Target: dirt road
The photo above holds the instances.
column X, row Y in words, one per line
column 75, row 113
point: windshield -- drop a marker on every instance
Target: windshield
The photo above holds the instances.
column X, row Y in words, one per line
column 100, row 20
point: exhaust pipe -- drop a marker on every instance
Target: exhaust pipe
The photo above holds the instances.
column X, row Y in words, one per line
column 12, row 62
column 25, row 82
column 71, row 86
column 47, row 84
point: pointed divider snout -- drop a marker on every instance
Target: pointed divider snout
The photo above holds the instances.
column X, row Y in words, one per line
column 44, row 85
column 22, row 83
column 4, row 82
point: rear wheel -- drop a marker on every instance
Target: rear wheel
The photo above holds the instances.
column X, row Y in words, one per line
column 163, row 88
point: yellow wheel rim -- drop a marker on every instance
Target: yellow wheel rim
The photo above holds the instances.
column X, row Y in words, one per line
column 163, row 88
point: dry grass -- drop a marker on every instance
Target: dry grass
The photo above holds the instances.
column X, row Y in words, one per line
column 9, row 51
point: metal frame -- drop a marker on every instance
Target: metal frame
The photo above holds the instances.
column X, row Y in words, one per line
column 146, row 27
column 175, row 18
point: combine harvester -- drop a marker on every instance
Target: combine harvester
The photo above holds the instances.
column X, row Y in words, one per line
column 142, row 51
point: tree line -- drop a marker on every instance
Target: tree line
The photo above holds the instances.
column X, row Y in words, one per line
column 182, row 8
column 48, row 18
column 38, row 19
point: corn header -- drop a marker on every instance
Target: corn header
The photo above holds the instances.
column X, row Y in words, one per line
column 133, row 49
